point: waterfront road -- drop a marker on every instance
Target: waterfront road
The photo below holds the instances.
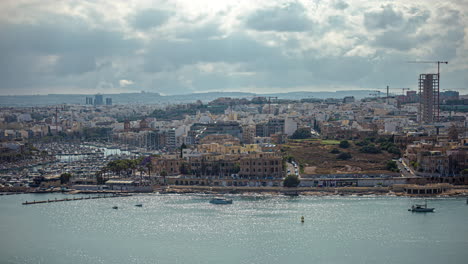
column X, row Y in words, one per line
column 405, row 170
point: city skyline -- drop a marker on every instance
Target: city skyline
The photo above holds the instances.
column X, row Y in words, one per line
column 183, row 47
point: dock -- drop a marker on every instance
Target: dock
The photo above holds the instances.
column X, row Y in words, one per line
column 75, row 199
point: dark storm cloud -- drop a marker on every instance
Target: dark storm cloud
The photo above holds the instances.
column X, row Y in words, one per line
column 74, row 44
column 170, row 55
column 291, row 17
column 149, row 18
column 63, row 35
column 180, row 51
column 71, row 64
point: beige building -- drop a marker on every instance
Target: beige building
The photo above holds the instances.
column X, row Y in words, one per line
column 261, row 165
column 169, row 164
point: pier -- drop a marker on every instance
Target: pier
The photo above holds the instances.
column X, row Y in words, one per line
column 75, row 199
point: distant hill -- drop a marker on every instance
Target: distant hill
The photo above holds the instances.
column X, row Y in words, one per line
column 358, row 94
column 156, row 98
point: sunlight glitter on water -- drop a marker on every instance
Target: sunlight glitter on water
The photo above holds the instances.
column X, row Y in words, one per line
column 254, row 229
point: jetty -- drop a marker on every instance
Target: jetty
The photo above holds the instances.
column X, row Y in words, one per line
column 75, row 199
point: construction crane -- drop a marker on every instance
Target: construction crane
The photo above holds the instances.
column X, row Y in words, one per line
column 437, row 93
column 375, row 93
column 438, row 64
column 269, row 102
column 402, row 91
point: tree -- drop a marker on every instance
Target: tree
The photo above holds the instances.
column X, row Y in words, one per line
column 453, row 133
column 371, row 149
column 335, row 151
column 182, row 147
column 236, row 168
column 392, row 166
column 291, row 180
column 394, row 150
column 65, row 178
column 164, row 174
column 184, row 168
column 344, row 144
column 288, row 158
column 149, row 167
column 344, row 156
column 362, row 143
column 414, row 164
column 302, row 133
column 99, row 178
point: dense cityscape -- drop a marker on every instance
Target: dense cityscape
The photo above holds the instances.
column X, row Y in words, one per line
column 233, row 132
column 378, row 141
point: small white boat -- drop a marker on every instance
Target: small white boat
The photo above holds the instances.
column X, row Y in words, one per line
column 220, row 200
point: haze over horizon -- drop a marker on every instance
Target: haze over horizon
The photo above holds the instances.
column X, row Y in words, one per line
column 181, row 47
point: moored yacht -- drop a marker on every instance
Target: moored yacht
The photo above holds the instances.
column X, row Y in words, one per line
column 220, row 200
column 421, row 208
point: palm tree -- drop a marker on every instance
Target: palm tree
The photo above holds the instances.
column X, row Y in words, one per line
column 164, row 174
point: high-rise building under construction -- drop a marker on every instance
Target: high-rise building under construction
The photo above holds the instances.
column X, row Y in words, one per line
column 428, row 98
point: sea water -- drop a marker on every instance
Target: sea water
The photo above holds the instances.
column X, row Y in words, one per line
column 254, row 229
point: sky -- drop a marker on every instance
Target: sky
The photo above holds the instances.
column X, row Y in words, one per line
column 261, row 46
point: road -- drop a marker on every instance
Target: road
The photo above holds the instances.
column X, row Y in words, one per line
column 405, row 170
column 292, row 168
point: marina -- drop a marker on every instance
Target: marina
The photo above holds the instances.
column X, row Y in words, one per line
column 81, row 160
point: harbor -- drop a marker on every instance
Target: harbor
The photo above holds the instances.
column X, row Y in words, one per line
column 74, row 232
column 82, row 160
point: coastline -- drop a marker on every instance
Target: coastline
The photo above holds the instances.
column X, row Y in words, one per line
column 455, row 191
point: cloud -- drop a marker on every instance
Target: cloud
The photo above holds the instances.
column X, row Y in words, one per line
column 382, row 19
column 50, row 52
column 340, row 4
column 149, row 18
column 237, row 47
column 203, row 31
column 124, row 83
column 289, row 18
column 395, row 39
column 184, row 46
column 72, row 64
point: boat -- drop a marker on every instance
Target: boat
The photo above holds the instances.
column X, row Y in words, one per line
column 115, row 207
column 421, row 208
column 138, row 205
column 220, row 200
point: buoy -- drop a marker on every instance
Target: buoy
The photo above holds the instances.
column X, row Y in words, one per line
column 302, row 219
